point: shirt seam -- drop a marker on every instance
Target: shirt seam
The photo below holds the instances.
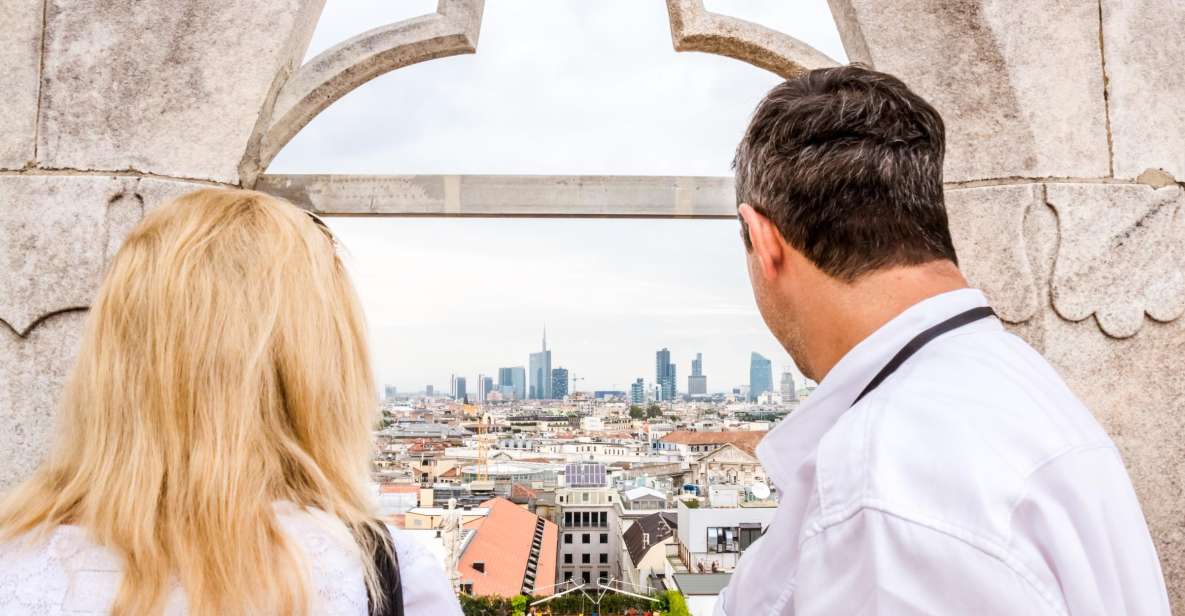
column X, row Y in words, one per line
column 1047, row 462
column 985, row 545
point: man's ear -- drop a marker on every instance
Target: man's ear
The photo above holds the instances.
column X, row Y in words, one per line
column 768, row 247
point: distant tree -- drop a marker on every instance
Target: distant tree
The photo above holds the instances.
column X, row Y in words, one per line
column 636, row 412
column 653, row 410
column 691, row 503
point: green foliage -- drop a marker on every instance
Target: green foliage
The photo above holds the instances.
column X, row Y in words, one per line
column 567, row 605
column 653, row 411
column 636, row 412
column 677, row 606
column 691, row 503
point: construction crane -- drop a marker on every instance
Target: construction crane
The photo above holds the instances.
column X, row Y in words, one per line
column 481, row 476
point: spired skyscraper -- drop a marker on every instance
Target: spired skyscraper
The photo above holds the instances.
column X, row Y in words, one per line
column 664, row 374
column 541, row 372
column 697, row 383
column 760, row 375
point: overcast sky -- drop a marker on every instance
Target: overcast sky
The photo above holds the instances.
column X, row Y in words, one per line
column 556, row 87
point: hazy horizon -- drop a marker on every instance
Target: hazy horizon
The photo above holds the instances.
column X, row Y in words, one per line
column 565, row 87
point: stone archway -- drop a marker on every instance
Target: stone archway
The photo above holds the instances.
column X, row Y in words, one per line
column 1064, row 145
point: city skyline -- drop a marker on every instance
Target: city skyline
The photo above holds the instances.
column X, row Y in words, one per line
column 469, row 295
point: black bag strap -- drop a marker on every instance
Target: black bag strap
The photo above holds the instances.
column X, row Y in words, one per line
column 919, row 341
column 386, row 563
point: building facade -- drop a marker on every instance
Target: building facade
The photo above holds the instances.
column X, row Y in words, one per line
column 664, row 370
column 789, row 390
column 540, row 363
column 590, row 528
column 638, row 392
column 760, row 375
column 559, row 383
column 512, row 382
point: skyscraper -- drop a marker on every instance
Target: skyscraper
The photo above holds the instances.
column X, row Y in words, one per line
column 485, row 385
column 459, row 388
column 664, row 377
column 514, row 378
column 559, row 383
column 638, row 392
column 789, row 392
column 389, row 392
column 697, row 383
column 760, row 375
column 541, row 372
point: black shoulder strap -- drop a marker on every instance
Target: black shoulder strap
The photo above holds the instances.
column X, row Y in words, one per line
column 386, row 563
column 955, row 322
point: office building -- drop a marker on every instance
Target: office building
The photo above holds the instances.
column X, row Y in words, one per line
column 590, row 535
column 638, row 392
column 559, row 383
column 540, row 373
column 485, row 386
column 459, row 388
column 697, row 365
column 514, row 378
column 664, row 378
column 429, row 391
column 789, row 392
column 760, row 375
column 389, row 392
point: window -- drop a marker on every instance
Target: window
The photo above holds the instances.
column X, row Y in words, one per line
column 567, row 576
column 567, row 518
column 585, row 559
column 567, row 559
column 722, row 540
column 584, row 497
column 604, row 537
column 604, row 558
column 603, row 577
column 567, row 537
column 604, row 519
column 586, row 538
column 586, row 576
column 747, row 534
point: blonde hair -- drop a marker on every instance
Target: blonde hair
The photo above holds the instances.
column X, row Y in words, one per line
column 224, row 367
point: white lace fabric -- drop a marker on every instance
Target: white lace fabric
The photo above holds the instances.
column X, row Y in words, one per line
column 69, row 575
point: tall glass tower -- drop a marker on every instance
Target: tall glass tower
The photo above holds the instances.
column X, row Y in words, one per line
column 540, row 372
column 664, row 376
column 761, row 377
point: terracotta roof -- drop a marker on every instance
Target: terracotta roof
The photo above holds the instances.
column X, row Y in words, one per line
column 393, row 488
column 742, row 439
column 502, row 542
column 522, row 493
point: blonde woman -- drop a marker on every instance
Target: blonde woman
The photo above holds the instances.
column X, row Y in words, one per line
column 215, row 436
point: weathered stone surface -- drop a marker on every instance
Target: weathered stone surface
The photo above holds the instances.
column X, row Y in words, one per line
column 1021, row 89
column 32, row 371
column 1120, row 254
column 693, row 28
column 167, row 88
column 57, row 234
column 1137, row 390
column 1143, row 48
column 987, row 225
column 508, row 195
column 316, row 85
column 20, row 55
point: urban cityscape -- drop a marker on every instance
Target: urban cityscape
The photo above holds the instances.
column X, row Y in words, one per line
column 523, row 483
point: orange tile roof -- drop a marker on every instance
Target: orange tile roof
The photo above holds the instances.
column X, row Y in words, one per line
column 502, row 540
column 393, row 488
column 743, row 439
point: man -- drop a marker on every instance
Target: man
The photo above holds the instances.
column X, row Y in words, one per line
column 942, row 466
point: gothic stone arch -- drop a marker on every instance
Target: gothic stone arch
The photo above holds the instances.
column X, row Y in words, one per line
column 1064, row 144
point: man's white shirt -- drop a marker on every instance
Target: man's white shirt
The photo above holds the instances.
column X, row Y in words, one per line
column 971, row 481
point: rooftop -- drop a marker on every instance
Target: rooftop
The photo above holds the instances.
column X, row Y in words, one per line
column 744, row 440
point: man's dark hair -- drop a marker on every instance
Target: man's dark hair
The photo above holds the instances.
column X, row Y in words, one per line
column 847, row 164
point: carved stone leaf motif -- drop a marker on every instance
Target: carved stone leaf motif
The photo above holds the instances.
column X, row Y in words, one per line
column 57, row 235
column 987, row 226
column 1120, row 254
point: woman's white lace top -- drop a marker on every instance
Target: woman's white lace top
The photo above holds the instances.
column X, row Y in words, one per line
column 70, row 575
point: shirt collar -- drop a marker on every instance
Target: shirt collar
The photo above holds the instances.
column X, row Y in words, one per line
column 793, row 441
